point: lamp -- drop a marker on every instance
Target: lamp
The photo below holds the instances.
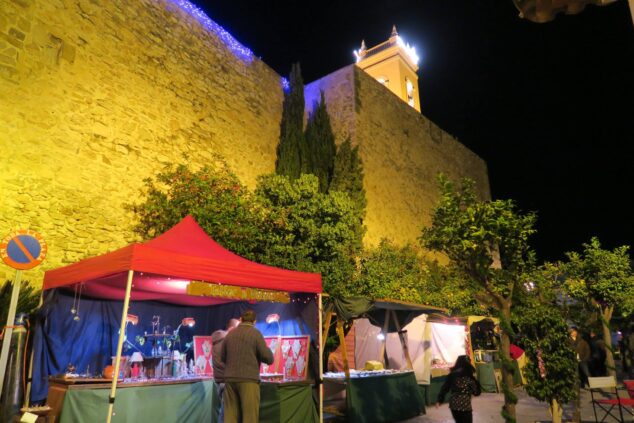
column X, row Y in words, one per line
column 273, row 318
column 188, row 321
column 380, row 336
column 135, row 359
column 132, row 318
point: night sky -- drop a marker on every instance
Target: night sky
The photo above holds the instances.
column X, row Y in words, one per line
column 550, row 107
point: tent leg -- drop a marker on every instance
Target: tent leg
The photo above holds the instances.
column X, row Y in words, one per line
column 326, row 329
column 8, row 330
column 401, row 337
column 344, row 352
column 321, row 357
column 124, row 316
column 386, row 325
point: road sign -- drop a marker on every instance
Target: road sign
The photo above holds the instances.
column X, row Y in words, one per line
column 23, row 249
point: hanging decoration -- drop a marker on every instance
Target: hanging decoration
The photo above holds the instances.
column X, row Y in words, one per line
column 206, row 289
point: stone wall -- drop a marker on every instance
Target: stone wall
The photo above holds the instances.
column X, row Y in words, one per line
column 96, row 95
column 402, row 152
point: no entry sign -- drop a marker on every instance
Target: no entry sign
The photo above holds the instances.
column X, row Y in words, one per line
column 23, row 249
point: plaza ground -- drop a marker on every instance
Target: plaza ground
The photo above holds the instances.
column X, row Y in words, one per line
column 487, row 409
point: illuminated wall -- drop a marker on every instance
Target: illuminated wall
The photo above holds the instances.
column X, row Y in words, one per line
column 402, row 152
column 97, row 96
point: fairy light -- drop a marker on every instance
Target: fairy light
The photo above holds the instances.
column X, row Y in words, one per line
column 238, row 49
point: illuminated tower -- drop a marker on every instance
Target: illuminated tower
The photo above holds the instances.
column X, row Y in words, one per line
column 394, row 64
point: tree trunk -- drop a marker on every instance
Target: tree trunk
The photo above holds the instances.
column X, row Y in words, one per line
column 606, row 316
column 507, row 371
column 556, row 411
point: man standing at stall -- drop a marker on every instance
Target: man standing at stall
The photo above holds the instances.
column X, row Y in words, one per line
column 242, row 352
column 217, row 339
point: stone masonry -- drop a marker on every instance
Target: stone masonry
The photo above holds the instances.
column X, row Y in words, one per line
column 97, row 95
column 402, row 152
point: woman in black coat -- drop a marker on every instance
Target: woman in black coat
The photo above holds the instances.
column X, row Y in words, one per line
column 462, row 384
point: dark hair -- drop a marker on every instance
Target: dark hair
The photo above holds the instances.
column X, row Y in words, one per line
column 463, row 366
column 248, row 316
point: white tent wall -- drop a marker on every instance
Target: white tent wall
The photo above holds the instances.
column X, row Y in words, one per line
column 419, row 335
column 447, row 342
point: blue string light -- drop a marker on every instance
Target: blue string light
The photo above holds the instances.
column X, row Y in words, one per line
column 238, row 49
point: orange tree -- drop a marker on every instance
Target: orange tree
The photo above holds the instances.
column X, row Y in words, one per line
column 603, row 280
column 487, row 242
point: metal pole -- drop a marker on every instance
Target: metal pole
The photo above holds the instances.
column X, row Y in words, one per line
column 124, row 316
column 27, row 394
column 321, row 359
column 6, row 341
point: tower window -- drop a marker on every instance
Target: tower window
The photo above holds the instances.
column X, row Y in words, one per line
column 410, row 92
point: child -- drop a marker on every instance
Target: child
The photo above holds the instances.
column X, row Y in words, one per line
column 462, row 384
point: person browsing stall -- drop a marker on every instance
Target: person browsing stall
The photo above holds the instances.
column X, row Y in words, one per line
column 218, row 365
column 462, row 384
column 242, row 351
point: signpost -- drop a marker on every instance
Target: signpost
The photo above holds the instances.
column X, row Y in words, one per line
column 23, row 249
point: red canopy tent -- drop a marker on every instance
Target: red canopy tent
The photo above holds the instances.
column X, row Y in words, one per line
column 166, row 264
column 162, row 268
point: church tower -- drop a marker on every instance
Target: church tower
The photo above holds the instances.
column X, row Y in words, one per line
column 394, row 64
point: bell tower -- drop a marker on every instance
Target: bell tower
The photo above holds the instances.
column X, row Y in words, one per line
column 394, row 64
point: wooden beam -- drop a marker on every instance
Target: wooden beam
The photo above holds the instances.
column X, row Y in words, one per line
column 404, row 344
column 344, row 352
column 386, row 325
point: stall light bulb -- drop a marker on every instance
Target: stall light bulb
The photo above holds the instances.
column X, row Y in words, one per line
column 380, row 336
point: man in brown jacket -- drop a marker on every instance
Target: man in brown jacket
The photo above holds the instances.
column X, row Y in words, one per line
column 583, row 355
column 242, row 352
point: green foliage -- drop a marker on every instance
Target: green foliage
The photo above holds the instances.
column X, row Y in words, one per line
column 401, row 273
column 27, row 301
column 213, row 195
column 602, row 275
column 318, row 156
column 309, row 230
column 292, row 127
column 348, row 178
column 474, row 234
column 543, row 334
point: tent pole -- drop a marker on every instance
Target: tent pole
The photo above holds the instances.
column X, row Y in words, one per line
column 321, row 358
column 344, row 352
column 401, row 337
column 386, row 325
column 326, row 329
column 124, row 316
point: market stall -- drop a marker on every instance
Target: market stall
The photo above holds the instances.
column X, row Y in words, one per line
column 153, row 299
column 389, row 392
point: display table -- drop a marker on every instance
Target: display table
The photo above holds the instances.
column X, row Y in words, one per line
column 288, row 402
column 433, row 389
column 190, row 400
column 382, row 397
column 165, row 401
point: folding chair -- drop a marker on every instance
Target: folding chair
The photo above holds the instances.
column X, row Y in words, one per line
column 607, row 385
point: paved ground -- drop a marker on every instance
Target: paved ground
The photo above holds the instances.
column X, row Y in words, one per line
column 487, row 409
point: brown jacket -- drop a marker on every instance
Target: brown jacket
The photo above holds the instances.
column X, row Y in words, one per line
column 242, row 352
column 582, row 348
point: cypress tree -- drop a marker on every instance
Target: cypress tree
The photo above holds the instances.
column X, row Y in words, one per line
column 318, row 155
column 348, row 178
column 292, row 127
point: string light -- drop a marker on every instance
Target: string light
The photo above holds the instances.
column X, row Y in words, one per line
column 238, row 49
